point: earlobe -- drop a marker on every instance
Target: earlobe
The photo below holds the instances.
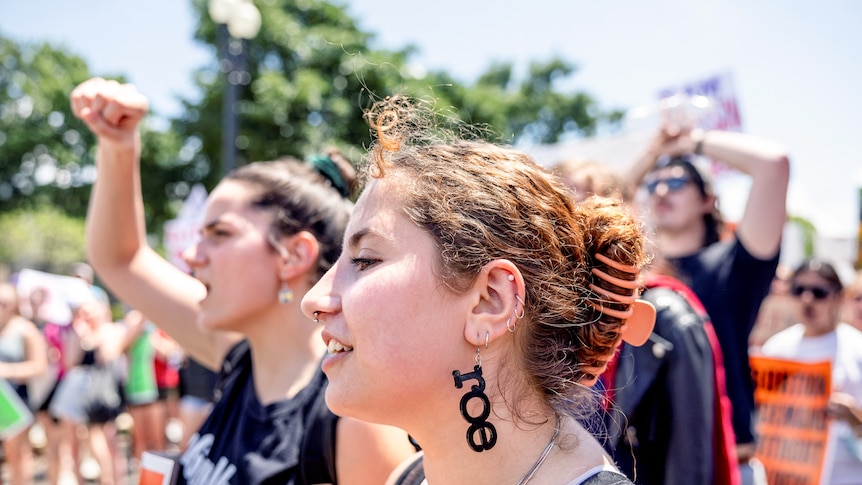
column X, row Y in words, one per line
column 710, row 203
column 500, row 294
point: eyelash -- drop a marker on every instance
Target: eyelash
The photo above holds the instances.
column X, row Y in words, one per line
column 362, row 263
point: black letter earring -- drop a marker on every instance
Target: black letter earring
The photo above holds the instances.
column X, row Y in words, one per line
column 486, row 431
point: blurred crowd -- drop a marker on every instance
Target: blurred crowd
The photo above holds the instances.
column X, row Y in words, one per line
column 101, row 390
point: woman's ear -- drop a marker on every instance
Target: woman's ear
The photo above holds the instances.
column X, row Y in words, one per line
column 300, row 255
column 499, row 288
column 710, row 203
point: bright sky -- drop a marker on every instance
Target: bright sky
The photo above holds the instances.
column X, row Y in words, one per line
column 796, row 64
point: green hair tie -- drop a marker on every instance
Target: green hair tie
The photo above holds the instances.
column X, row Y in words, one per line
column 329, row 170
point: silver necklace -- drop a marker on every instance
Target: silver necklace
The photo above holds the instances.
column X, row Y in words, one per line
column 532, row 471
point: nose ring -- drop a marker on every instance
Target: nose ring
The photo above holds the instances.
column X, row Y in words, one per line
column 315, row 319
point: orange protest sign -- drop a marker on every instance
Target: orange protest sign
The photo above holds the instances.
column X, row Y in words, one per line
column 792, row 423
column 159, row 468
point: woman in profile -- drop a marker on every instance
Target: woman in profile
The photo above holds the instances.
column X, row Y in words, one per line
column 271, row 229
column 473, row 305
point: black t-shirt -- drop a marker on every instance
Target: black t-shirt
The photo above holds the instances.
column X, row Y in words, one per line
column 731, row 284
column 244, row 442
column 197, row 380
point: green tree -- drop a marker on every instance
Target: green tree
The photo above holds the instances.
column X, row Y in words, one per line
column 47, row 155
column 45, row 239
column 44, row 150
column 311, row 73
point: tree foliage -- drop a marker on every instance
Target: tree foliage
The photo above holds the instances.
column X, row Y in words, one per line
column 45, row 239
column 305, row 82
column 312, row 73
column 44, row 150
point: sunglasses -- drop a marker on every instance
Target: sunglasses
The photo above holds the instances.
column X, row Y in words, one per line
column 817, row 292
column 673, row 184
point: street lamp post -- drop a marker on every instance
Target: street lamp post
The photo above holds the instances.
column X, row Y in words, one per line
column 238, row 21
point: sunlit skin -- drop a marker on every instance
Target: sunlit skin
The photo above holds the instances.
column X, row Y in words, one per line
column 398, row 333
column 383, row 300
column 819, row 316
column 235, row 261
column 679, row 210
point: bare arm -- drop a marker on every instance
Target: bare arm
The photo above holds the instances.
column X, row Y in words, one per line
column 765, row 161
column 768, row 165
column 116, row 236
column 117, row 338
column 366, row 454
column 35, row 350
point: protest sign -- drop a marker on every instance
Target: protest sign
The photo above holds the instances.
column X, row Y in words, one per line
column 159, row 468
column 182, row 232
column 61, row 292
column 792, row 423
column 15, row 416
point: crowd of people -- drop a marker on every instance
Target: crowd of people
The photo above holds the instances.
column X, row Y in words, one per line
column 473, row 317
column 81, row 377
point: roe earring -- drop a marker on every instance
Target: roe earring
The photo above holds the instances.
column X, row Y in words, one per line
column 285, row 294
column 479, row 426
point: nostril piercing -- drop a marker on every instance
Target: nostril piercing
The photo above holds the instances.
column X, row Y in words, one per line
column 316, row 319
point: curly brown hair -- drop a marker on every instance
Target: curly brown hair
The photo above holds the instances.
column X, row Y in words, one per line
column 480, row 202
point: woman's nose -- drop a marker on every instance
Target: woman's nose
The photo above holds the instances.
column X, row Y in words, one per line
column 192, row 256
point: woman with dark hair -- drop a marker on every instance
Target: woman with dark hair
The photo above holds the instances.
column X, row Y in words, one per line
column 271, row 229
column 821, row 335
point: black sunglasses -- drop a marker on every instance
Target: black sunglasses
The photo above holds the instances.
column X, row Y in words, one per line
column 673, row 184
column 817, row 292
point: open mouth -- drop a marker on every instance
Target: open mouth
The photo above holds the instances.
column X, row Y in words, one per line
column 335, row 347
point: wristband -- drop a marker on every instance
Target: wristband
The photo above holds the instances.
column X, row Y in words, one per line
column 698, row 147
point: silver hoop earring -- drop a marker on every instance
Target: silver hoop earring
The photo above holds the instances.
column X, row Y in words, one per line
column 487, row 336
column 316, row 319
column 523, row 307
column 509, row 325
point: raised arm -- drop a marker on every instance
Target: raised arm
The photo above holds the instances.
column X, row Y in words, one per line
column 768, row 165
column 116, row 236
column 765, row 161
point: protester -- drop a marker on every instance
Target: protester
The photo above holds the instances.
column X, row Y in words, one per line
column 22, row 356
column 142, row 393
column 732, row 275
column 197, row 386
column 271, row 229
column 666, row 422
column 85, row 272
column 58, row 445
column 469, row 276
column 586, row 177
column 90, row 394
column 777, row 311
column 167, row 359
column 820, row 336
